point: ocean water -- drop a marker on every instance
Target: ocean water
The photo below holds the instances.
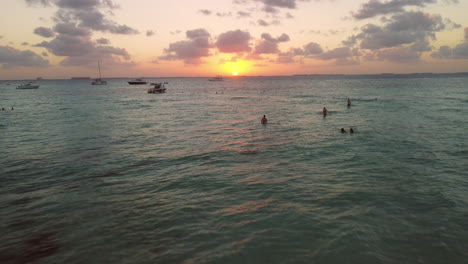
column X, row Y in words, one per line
column 111, row 174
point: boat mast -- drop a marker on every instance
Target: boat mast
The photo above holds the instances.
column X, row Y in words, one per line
column 99, row 67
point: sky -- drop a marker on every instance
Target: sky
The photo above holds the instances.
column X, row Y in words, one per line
column 183, row 38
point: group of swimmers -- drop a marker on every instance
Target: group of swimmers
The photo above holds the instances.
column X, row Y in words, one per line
column 3, row 108
column 264, row 120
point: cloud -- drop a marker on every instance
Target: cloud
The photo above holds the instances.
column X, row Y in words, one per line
column 11, row 57
column 338, row 53
column 311, row 49
column 66, row 45
column 376, row 7
column 95, row 20
column 150, row 33
column 71, row 29
column 24, row 44
column 44, row 32
column 235, row 41
column 228, row 14
column 242, row 14
column 81, row 51
column 460, row 52
column 205, row 12
column 291, row 4
column 399, row 55
column 191, row 51
column 466, row 33
column 263, row 23
column 273, row 6
column 38, row 2
column 401, row 29
column 103, row 41
column 86, row 15
column 269, row 45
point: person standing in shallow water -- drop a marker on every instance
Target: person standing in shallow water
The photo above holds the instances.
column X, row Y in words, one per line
column 264, row 120
column 349, row 102
column 324, row 111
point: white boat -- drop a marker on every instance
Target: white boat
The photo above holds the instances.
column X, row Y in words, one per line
column 216, row 79
column 99, row 81
column 158, row 88
column 137, row 82
column 28, row 85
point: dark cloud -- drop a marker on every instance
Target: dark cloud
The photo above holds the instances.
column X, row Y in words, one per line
column 376, row 7
column 270, row 9
column 243, row 14
column 150, row 33
column 205, row 12
column 66, row 45
column 273, row 6
column 45, row 54
column 269, row 45
column 398, row 54
column 235, row 41
column 95, row 20
column 460, row 52
column 44, row 32
column 312, row 49
column 103, row 41
column 11, row 57
column 291, row 4
column 228, row 14
column 71, row 29
column 191, row 51
column 88, row 15
column 81, row 51
column 263, row 23
column 39, row 2
column 75, row 4
column 401, row 29
column 421, row 46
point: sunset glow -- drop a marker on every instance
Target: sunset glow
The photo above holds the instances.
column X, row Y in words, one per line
column 57, row 39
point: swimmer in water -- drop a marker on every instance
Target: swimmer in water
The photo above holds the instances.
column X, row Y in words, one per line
column 324, row 111
column 264, row 120
column 343, row 130
column 351, row 130
column 349, row 102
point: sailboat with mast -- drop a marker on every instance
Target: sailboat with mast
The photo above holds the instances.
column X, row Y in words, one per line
column 99, row 81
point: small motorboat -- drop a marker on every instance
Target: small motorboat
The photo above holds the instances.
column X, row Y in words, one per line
column 28, row 85
column 158, row 88
column 137, row 82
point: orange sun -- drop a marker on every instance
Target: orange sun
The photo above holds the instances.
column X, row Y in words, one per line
column 234, row 74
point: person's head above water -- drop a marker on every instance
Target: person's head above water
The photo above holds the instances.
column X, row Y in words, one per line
column 343, row 130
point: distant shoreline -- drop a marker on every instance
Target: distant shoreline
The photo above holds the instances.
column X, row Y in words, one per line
column 334, row 76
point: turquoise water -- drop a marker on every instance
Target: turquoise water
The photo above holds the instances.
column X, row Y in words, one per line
column 111, row 174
